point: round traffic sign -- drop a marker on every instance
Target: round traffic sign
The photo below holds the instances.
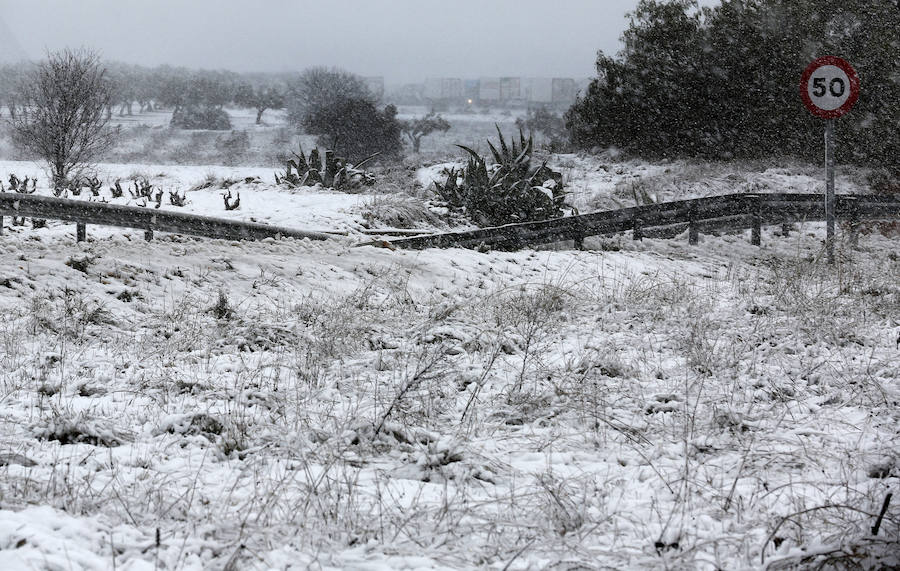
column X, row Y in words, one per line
column 829, row 87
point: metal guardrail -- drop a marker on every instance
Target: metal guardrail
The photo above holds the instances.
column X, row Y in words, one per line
column 732, row 211
column 144, row 218
column 714, row 213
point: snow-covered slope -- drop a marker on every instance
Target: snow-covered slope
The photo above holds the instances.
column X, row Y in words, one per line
column 193, row 404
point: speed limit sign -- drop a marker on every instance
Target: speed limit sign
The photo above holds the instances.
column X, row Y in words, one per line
column 829, row 87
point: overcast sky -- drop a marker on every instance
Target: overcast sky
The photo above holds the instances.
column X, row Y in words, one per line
column 402, row 40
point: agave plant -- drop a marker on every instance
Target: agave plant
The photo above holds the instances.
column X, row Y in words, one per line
column 509, row 190
column 334, row 172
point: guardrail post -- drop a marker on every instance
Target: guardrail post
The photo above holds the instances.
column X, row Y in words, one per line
column 853, row 219
column 148, row 234
column 756, row 218
column 854, row 233
column 693, row 227
column 80, row 232
column 638, row 230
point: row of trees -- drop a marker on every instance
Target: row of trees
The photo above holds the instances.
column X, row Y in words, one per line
column 314, row 98
column 60, row 109
column 723, row 81
column 167, row 87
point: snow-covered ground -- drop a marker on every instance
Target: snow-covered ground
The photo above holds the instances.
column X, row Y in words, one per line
column 205, row 404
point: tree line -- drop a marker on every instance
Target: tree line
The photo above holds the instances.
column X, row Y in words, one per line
column 164, row 87
column 60, row 108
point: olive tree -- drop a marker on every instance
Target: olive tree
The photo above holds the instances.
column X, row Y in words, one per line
column 60, row 116
column 419, row 127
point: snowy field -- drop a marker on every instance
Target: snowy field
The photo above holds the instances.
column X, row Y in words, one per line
column 204, row 404
column 147, row 137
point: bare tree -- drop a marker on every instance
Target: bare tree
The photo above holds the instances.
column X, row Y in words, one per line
column 61, row 114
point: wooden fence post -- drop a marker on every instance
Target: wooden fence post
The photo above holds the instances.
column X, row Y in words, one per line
column 80, row 232
column 638, row 230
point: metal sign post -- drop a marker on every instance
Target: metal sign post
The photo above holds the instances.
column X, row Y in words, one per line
column 829, row 190
column 829, row 88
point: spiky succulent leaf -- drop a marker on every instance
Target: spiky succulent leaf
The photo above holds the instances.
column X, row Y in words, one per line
column 473, row 154
column 498, row 158
column 360, row 164
column 503, row 148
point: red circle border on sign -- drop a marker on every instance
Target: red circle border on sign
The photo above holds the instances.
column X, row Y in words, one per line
column 854, row 87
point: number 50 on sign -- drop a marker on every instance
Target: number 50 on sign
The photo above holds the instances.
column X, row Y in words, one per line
column 829, row 87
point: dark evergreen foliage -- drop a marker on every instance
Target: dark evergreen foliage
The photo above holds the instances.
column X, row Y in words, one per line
column 338, row 107
column 723, row 82
column 355, row 128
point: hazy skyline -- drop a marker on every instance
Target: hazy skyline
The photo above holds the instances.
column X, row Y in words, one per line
column 402, row 40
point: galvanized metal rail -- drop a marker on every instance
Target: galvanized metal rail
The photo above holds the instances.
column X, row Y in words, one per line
column 714, row 213
column 144, row 218
column 710, row 214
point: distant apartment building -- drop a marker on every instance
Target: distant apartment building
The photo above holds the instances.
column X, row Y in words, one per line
column 499, row 89
column 489, row 89
column 538, row 90
column 556, row 91
column 510, row 89
column 443, row 89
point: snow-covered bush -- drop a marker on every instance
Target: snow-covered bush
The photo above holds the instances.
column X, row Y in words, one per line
column 200, row 117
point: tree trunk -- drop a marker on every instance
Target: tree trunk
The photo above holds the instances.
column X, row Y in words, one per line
column 59, row 173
